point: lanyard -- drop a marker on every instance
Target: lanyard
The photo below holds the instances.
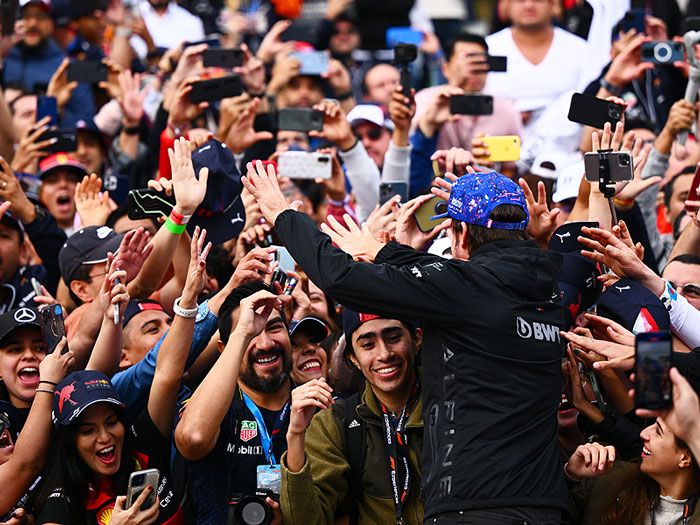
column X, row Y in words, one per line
column 265, row 437
column 397, row 452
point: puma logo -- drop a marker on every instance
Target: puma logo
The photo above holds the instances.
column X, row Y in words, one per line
column 623, row 288
column 563, row 236
column 237, row 218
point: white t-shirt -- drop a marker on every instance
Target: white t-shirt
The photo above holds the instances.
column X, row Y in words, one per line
column 168, row 30
column 534, row 86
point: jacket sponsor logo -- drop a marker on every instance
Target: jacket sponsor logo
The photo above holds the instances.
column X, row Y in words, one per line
column 249, row 429
column 246, row 450
column 537, row 331
column 354, row 424
column 416, row 272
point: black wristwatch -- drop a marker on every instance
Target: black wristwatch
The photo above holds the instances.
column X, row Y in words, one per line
column 133, row 130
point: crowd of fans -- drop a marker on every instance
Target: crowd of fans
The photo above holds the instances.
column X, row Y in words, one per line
column 256, row 265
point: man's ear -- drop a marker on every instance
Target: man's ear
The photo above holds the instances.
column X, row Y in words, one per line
column 220, row 345
column 418, row 338
column 80, row 289
column 124, row 361
column 24, row 254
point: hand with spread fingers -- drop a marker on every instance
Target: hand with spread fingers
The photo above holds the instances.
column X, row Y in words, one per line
column 92, row 205
column 617, row 355
column 188, row 188
column 383, row 218
column 60, row 87
column 543, row 221
column 575, row 392
column 254, row 266
column 11, row 191
column 133, row 252
column 30, row 149
column 264, row 186
column 359, row 243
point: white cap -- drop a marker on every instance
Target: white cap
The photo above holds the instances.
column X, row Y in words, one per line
column 369, row 113
column 548, row 165
column 568, row 182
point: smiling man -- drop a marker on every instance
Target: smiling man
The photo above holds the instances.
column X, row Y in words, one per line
column 227, row 433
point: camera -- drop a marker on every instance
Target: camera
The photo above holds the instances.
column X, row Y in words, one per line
column 662, row 52
column 404, row 54
column 615, row 111
column 250, row 509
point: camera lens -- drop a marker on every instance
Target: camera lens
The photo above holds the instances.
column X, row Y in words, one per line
column 614, row 111
column 140, row 479
column 662, row 52
column 624, row 160
column 253, row 513
column 440, row 207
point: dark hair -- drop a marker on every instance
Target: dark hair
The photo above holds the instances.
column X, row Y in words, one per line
column 469, row 38
column 668, row 189
column 412, row 329
column 638, row 123
column 67, row 471
column 232, row 302
column 686, row 258
column 220, row 265
column 82, row 273
column 477, row 236
column 122, row 211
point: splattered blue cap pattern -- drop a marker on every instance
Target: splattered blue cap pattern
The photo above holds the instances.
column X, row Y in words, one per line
column 474, row 197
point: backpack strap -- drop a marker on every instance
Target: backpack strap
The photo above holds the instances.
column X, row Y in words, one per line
column 353, row 430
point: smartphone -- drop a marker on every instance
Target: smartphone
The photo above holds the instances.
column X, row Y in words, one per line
column 471, row 104
column 593, row 111
column 305, row 165
column 279, row 276
column 285, row 260
column 662, row 52
column 388, row 189
column 216, row 89
column 8, row 16
column 138, row 481
column 313, row 63
column 66, row 140
column 427, row 210
column 211, row 42
column 87, row 71
column 300, row 119
column 225, row 58
column 52, row 326
column 505, row 148
column 692, row 201
column 634, row 19
column 403, row 35
column 404, row 54
column 148, row 204
column 652, row 384
column 47, row 107
column 619, row 166
column 497, row 64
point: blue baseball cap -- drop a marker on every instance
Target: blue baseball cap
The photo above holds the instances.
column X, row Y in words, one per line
column 78, row 391
column 474, row 197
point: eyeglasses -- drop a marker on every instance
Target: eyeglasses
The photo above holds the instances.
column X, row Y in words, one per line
column 96, row 275
column 690, row 290
column 373, row 134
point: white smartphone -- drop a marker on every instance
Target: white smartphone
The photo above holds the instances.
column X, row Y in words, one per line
column 138, row 481
column 305, row 165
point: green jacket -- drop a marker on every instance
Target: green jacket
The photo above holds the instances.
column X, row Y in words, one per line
column 588, row 499
column 316, row 493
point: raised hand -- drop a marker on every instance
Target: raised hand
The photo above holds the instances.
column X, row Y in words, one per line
column 383, row 218
column 272, row 44
column 616, row 355
column 196, row 273
column 59, row 86
column 113, row 292
column 241, row 134
column 189, row 190
column 438, row 112
column 264, row 186
column 543, row 221
column 590, row 461
column 454, row 160
column 254, row 312
column 30, row 149
column 627, row 65
column 12, row 192
column 359, row 243
column 306, row 399
column 182, row 110
column 57, row 364
column 254, row 266
column 336, row 128
column 133, row 252
column 131, row 97
column 92, row 206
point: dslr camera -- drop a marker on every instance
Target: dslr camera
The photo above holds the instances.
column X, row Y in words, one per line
column 250, row 509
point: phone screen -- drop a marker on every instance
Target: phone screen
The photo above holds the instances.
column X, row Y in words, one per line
column 652, row 387
column 53, row 326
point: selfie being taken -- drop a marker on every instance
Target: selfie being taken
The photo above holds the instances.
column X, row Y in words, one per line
column 339, row 262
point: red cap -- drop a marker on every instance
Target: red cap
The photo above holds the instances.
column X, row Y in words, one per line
column 61, row 160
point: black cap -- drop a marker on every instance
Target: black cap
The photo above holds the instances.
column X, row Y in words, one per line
column 14, row 223
column 88, row 245
column 137, row 306
column 565, row 237
column 79, row 391
column 18, row 318
column 315, row 328
column 633, row 306
column 222, row 212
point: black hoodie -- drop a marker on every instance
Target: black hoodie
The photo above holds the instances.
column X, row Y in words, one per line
column 491, row 359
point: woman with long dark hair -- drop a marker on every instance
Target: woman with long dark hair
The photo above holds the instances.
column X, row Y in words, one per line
column 662, row 489
column 94, row 451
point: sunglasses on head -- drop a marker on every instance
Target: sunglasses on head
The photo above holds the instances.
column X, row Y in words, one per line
column 373, row 134
column 688, row 290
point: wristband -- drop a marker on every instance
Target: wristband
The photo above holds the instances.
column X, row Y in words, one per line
column 187, row 313
column 172, row 227
column 45, row 391
column 609, row 87
column 623, row 203
column 178, row 218
column 48, row 382
column 133, row 130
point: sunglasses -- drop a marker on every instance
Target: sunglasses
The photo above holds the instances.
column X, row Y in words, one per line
column 689, row 290
column 373, row 134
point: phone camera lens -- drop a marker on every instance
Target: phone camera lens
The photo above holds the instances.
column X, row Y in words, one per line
column 614, row 112
column 662, row 52
column 440, row 207
column 139, row 480
column 624, row 160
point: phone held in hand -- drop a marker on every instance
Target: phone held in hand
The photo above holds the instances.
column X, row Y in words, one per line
column 217, row 88
column 388, row 190
column 148, row 204
column 308, row 165
column 497, row 64
column 402, row 35
column 426, row 211
column 138, row 481
column 505, row 148
column 312, row 63
column 66, row 140
column 300, row 119
column 47, row 107
column 593, row 111
column 52, row 326
column 620, row 167
column 653, row 361
column 224, row 58
column 87, row 71
column 663, row 52
column 471, row 105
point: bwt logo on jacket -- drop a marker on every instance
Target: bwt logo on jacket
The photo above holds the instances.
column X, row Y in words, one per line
column 537, row 331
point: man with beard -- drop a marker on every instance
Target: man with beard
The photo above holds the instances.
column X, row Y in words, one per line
column 236, row 421
column 33, row 60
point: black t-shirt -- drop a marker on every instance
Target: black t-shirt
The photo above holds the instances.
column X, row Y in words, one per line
column 153, row 452
column 231, row 467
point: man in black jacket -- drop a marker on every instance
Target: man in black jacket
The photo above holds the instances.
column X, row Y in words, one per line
column 491, row 353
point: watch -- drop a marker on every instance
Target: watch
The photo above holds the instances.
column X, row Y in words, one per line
column 187, row 313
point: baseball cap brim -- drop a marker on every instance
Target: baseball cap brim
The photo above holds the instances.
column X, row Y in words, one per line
column 312, row 326
column 75, row 414
column 101, row 253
